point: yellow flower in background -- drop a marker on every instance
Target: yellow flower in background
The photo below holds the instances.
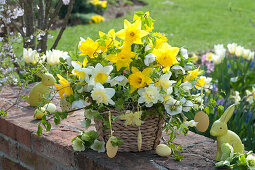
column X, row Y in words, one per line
column 97, row 19
column 131, row 118
column 122, row 59
column 193, row 75
column 132, row 33
column 139, row 79
column 208, row 56
column 200, row 82
column 194, row 58
column 64, row 87
column 166, row 56
column 103, row 4
column 89, row 47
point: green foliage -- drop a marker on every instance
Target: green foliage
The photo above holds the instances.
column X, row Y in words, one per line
column 116, row 141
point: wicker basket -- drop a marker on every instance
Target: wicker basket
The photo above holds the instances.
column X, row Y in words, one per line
column 151, row 131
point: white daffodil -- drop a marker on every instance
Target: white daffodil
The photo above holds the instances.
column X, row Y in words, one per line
column 149, row 58
column 82, row 73
column 120, row 80
column 251, row 161
column 31, row 56
column 250, row 95
column 187, row 86
column 239, row 51
column 232, row 48
column 164, row 81
column 236, row 97
column 103, row 95
column 173, row 107
column 178, row 69
column 149, row 95
column 79, row 104
column 184, row 53
column 54, row 55
column 186, row 104
column 190, row 123
column 98, row 146
column 100, row 74
column 78, row 145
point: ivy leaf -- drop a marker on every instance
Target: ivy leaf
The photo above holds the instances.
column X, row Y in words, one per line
column 39, row 130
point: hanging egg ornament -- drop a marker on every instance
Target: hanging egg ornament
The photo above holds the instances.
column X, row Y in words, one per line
column 203, row 121
column 111, row 151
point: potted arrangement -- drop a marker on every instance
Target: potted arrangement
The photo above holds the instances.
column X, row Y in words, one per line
column 133, row 84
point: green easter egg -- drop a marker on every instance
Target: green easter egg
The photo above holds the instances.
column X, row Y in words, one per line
column 163, row 150
column 50, row 107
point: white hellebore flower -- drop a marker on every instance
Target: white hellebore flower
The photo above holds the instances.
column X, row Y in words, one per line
column 164, row 81
column 79, row 104
column 186, row 104
column 173, row 107
column 82, row 73
column 103, row 95
column 98, row 146
column 250, row 95
column 239, row 51
column 232, row 48
column 100, row 74
column 121, row 80
column 31, row 56
column 184, row 53
column 149, row 58
column 187, row 86
column 251, row 162
column 78, row 145
column 178, row 69
column 149, row 95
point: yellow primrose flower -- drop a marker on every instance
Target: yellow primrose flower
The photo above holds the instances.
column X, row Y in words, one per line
column 97, row 19
column 132, row 33
column 64, row 87
column 122, row 59
column 139, row 79
column 166, row 56
column 193, row 75
column 131, row 118
column 89, row 47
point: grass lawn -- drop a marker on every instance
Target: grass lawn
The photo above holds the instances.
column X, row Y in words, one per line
column 196, row 25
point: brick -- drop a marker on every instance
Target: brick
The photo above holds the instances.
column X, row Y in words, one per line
column 35, row 160
column 9, row 148
column 10, row 165
column 56, row 145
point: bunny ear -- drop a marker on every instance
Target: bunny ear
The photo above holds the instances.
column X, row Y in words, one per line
column 227, row 114
column 42, row 71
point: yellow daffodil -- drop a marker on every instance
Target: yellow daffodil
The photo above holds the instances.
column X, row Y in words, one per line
column 200, row 82
column 89, row 47
column 166, row 56
column 122, row 59
column 64, row 87
column 147, row 28
column 132, row 33
column 139, row 79
column 160, row 40
column 131, row 118
column 193, row 75
column 109, row 41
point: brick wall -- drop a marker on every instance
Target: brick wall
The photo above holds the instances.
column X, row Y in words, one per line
column 21, row 149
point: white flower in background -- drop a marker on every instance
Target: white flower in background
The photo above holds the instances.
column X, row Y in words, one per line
column 103, row 95
column 2, row 1
column 236, row 97
column 173, row 107
column 239, row 51
column 184, row 53
column 66, row 57
column 246, row 53
column 54, row 55
column 232, row 48
column 149, row 95
column 66, row 2
column 234, row 79
column 82, row 73
column 98, row 146
column 251, row 162
column 217, row 59
column 79, row 104
column 186, row 104
column 250, row 95
column 220, row 50
column 149, row 58
column 120, row 80
column 178, row 69
column 164, row 81
column 190, row 123
column 100, row 74
column 17, row 12
column 187, row 86
column 208, row 84
column 31, row 56
column 78, row 145
column 251, row 56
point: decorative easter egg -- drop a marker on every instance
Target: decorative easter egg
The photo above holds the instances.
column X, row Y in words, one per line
column 203, row 121
column 111, row 150
column 38, row 114
column 163, row 150
column 50, row 107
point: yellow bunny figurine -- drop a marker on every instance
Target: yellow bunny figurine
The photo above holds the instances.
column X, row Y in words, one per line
column 41, row 89
column 220, row 129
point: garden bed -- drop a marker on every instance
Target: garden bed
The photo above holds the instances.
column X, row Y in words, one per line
column 20, row 148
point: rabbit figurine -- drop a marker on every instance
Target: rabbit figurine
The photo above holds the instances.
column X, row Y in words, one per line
column 41, row 89
column 220, row 129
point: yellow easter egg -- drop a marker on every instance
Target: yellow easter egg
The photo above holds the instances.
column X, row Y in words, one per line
column 163, row 150
column 38, row 114
column 111, row 150
column 50, row 107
